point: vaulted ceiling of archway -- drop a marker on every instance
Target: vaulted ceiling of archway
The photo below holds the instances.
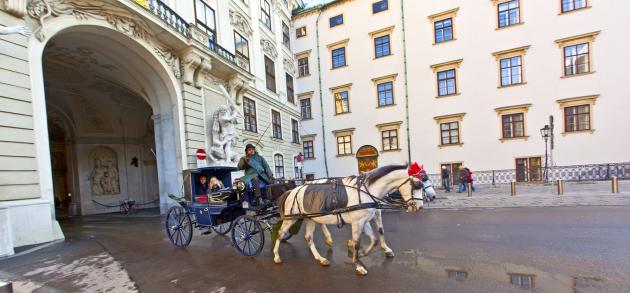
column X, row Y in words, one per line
column 87, row 79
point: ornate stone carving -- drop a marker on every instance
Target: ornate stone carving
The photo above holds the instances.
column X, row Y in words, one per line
column 269, row 48
column 224, row 133
column 104, row 177
column 289, row 66
column 196, row 67
column 240, row 87
column 119, row 18
column 240, row 23
column 15, row 7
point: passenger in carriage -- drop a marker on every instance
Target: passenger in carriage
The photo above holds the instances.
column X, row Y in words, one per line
column 201, row 187
column 256, row 169
column 215, row 184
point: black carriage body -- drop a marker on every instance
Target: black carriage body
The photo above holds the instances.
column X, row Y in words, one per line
column 208, row 213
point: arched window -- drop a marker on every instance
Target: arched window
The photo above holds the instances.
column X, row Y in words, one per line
column 279, row 162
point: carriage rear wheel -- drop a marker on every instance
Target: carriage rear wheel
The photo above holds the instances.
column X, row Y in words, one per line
column 178, row 226
column 224, row 228
column 248, row 235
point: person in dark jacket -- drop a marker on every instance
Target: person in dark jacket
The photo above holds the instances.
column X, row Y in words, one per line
column 465, row 177
column 256, row 169
column 201, row 187
column 446, row 178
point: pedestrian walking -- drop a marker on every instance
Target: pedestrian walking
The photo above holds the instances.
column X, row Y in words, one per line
column 463, row 175
column 446, row 178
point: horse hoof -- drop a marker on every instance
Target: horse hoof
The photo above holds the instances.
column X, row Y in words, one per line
column 329, row 242
column 361, row 271
column 389, row 253
column 349, row 244
column 324, row 262
column 277, row 260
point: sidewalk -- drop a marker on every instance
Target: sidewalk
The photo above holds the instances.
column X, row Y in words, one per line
column 535, row 195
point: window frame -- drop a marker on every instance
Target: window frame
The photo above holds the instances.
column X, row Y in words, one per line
column 379, row 3
column 383, row 45
column 303, row 68
column 286, row 35
column 587, row 38
column 446, row 80
column 447, row 119
column 509, row 24
column 444, row 67
column 512, row 123
column 276, row 124
column 513, row 110
column 449, row 131
column 304, row 107
column 510, row 69
column 278, row 158
column 300, row 32
column 441, row 16
column 576, row 102
column 562, row 11
column 508, row 54
column 576, row 117
column 385, row 91
column 295, row 131
column 290, row 87
column 345, row 142
column 249, row 114
column 390, row 139
column 333, row 57
column 236, row 50
column 213, row 37
column 270, row 76
column 337, row 23
column 265, row 15
column 435, row 31
column 308, row 151
column 575, row 65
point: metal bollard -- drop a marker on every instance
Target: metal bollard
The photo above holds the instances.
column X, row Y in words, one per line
column 560, row 187
column 469, row 189
column 615, row 184
column 6, row 287
column 513, row 188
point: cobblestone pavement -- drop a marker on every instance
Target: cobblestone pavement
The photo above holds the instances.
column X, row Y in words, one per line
column 535, row 195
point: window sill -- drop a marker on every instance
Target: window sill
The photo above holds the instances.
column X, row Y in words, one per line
column 590, row 131
column 451, row 145
column 512, row 85
column 277, row 139
column 391, row 151
column 578, row 74
column 340, row 67
column 574, row 10
column 446, row 96
column 384, row 56
column 345, row 155
column 444, row 42
column 306, row 119
column 307, row 75
column 386, row 106
column 509, row 26
column 309, row 159
column 296, row 143
column 504, row 139
column 343, row 113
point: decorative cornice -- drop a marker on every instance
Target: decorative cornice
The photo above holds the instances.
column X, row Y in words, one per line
column 240, row 23
column 289, row 66
column 453, row 63
column 576, row 100
column 396, row 123
column 269, row 48
column 523, row 108
column 458, row 116
column 443, row 14
column 343, row 86
column 347, row 130
column 521, row 50
column 587, row 37
column 388, row 29
column 338, row 43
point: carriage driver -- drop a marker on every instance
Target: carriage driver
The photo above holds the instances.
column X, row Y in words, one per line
column 256, row 169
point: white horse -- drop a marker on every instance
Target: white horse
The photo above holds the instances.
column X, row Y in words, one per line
column 428, row 191
column 363, row 193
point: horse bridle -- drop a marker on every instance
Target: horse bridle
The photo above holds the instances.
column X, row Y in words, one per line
column 414, row 186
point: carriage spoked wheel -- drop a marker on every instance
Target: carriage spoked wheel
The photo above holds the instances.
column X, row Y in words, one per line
column 248, row 235
column 178, row 226
column 224, row 228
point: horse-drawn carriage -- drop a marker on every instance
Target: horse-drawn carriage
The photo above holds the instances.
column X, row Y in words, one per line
column 233, row 208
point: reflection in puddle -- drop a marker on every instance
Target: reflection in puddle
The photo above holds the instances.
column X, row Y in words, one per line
column 484, row 273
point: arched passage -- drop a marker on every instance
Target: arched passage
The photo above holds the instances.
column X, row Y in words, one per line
column 117, row 105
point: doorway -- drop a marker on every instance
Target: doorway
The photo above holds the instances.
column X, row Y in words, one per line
column 453, row 169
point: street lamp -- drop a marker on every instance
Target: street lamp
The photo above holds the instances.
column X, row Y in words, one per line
column 544, row 132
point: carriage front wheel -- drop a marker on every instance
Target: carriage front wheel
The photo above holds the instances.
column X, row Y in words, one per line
column 178, row 226
column 248, row 235
column 224, row 228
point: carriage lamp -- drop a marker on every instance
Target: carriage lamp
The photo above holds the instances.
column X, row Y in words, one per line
column 544, row 132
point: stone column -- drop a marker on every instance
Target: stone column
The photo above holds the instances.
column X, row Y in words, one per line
column 6, row 238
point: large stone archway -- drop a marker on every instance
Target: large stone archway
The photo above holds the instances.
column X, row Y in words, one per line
column 113, row 88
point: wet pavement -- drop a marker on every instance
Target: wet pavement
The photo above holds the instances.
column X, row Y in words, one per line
column 559, row 249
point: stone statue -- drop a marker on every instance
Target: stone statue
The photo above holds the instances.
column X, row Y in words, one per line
column 104, row 176
column 18, row 29
column 224, row 133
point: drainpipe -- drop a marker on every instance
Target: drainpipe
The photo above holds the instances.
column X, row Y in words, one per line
column 321, row 99
column 404, row 41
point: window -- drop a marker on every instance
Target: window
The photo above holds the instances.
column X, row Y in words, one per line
column 286, row 38
column 204, row 16
column 529, row 169
column 277, row 124
column 300, row 32
column 303, row 67
column 336, row 20
column 344, row 145
column 457, row 275
column 509, row 13
column 270, row 74
column 522, row 281
column 379, row 6
column 290, row 94
column 385, row 93
column 342, row 103
column 511, row 71
column 389, row 139
column 295, row 132
column 577, row 118
column 513, row 125
column 576, row 59
column 570, row 5
column 265, row 13
column 307, row 149
column 339, row 57
column 381, row 46
column 446, row 83
column 443, row 30
column 305, row 108
column 279, row 165
column 249, row 113
column 449, row 133
column 242, row 46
